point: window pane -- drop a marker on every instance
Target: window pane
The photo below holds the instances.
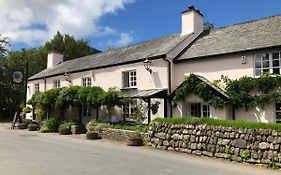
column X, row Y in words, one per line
column 278, row 106
column 265, row 64
column 258, row 58
column 276, row 71
column 278, row 115
column 266, row 57
column 258, row 72
column 275, row 63
column 258, row 64
column 275, row 55
column 265, row 70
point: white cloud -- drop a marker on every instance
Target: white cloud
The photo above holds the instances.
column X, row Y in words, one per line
column 36, row 21
column 123, row 40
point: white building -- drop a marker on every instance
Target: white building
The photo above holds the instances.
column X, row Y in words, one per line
column 231, row 51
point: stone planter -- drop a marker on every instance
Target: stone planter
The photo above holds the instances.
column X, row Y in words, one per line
column 32, row 128
column 78, row 129
column 92, row 135
column 64, row 130
column 135, row 142
column 22, row 126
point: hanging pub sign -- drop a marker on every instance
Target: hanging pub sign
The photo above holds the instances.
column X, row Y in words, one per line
column 17, row 77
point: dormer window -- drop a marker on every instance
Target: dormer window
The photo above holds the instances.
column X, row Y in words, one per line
column 129, row 79
column 267, row 62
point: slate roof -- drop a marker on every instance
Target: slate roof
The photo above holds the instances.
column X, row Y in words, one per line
column 137, row 52
column 256, row 34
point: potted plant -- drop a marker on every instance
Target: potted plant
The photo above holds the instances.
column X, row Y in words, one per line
column 22, row 126
column 93, row 130
column 64, row 129
column 135, row 139
column 33, row 127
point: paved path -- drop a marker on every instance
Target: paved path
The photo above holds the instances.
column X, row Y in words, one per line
column 33, row 153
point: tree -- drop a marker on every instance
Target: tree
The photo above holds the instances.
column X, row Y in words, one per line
column 111, row 99
column 69, row 47
column 208, row 26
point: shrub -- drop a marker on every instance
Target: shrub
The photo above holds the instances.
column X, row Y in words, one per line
column 50, row 125
column 39, row 113
column 33, row 126
column 26, row 110
column 93, row 126
column 245, row 154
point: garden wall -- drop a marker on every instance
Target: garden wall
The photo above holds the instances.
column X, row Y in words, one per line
column 258, row 146
column 118, row 134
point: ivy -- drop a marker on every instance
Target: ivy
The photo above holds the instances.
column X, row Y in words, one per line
column 245, row 92
column 193, row 85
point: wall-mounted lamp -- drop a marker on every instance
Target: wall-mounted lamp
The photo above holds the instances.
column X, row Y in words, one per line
column 147, row 64
column 67, row 77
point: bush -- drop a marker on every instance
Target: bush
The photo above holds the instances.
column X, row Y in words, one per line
column 216, row 122
column 50, row 125
column 39, row 113
column 33, row 126
column 93, row 126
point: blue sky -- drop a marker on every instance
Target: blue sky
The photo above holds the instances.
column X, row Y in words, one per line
column 141, row 20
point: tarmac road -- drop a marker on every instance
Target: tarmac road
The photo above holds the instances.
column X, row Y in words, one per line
column 33, row 153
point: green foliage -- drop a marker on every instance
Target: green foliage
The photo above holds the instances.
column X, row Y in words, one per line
column 216, row 122
column 39, row 113
column 245, row 154
column 273, row 165
column 192, row 85
column 245, row 92
column 111, row 98
column 90, row 96
column 26, row 110
column 50, row 125
column 139, row 114
column 228, row 152
column 208, row 26
column 96, row 127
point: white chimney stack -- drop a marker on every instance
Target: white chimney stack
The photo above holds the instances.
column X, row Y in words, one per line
column 192, row 21
column 54, row 59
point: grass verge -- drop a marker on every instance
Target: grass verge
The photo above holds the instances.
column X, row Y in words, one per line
column 216, row 122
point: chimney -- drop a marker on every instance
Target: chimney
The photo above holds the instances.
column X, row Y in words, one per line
column 54, row 59
column 192, row 21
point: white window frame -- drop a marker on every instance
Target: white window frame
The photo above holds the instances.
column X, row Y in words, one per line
column 86, row 110
column 132, row 79
column 260, row 58
column 130, row 107
column 36, row 87
column 86, row 81
column 57, row 84
column 202, row 111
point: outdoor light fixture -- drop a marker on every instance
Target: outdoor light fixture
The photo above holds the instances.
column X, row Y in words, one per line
column 67, row 77
column 147, row 64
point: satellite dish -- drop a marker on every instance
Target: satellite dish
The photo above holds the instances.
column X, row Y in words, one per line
column 17, row 77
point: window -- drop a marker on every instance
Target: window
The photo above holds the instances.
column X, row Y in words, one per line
column 199, row 110
column 278, row 112
column 86, row 111
column 57, row 84
column 36, row 87
column 86, row 81
column 130, row 108
column 268, row 62
column 130, row 79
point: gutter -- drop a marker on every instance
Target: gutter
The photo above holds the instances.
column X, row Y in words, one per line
column 169, row 84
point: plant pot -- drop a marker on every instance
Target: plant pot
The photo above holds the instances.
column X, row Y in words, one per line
column 78, row 129
column 22, row 126
column 32, row 128
column 92, row 135
column 135, row 142
column 64, row 131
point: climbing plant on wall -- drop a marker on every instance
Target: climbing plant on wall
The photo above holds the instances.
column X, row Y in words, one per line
column 193, row 85
column 245, row 92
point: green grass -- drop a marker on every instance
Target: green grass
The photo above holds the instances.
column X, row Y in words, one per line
column 138, row 128
column 216, row 122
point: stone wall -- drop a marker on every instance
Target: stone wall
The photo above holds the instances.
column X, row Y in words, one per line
column 118, row 134
column 258, row 146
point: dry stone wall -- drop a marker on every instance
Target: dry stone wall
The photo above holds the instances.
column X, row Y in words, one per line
column 257, row 146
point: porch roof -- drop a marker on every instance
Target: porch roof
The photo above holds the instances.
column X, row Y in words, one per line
column 150, row 93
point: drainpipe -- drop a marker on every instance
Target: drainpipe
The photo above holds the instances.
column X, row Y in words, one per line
column 169, row 85
column 233, row 112
column 45, row 82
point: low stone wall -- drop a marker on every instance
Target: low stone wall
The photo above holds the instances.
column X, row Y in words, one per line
column 118, row 134
column 258, row 146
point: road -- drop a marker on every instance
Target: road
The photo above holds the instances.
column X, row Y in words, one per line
column 33, row 153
